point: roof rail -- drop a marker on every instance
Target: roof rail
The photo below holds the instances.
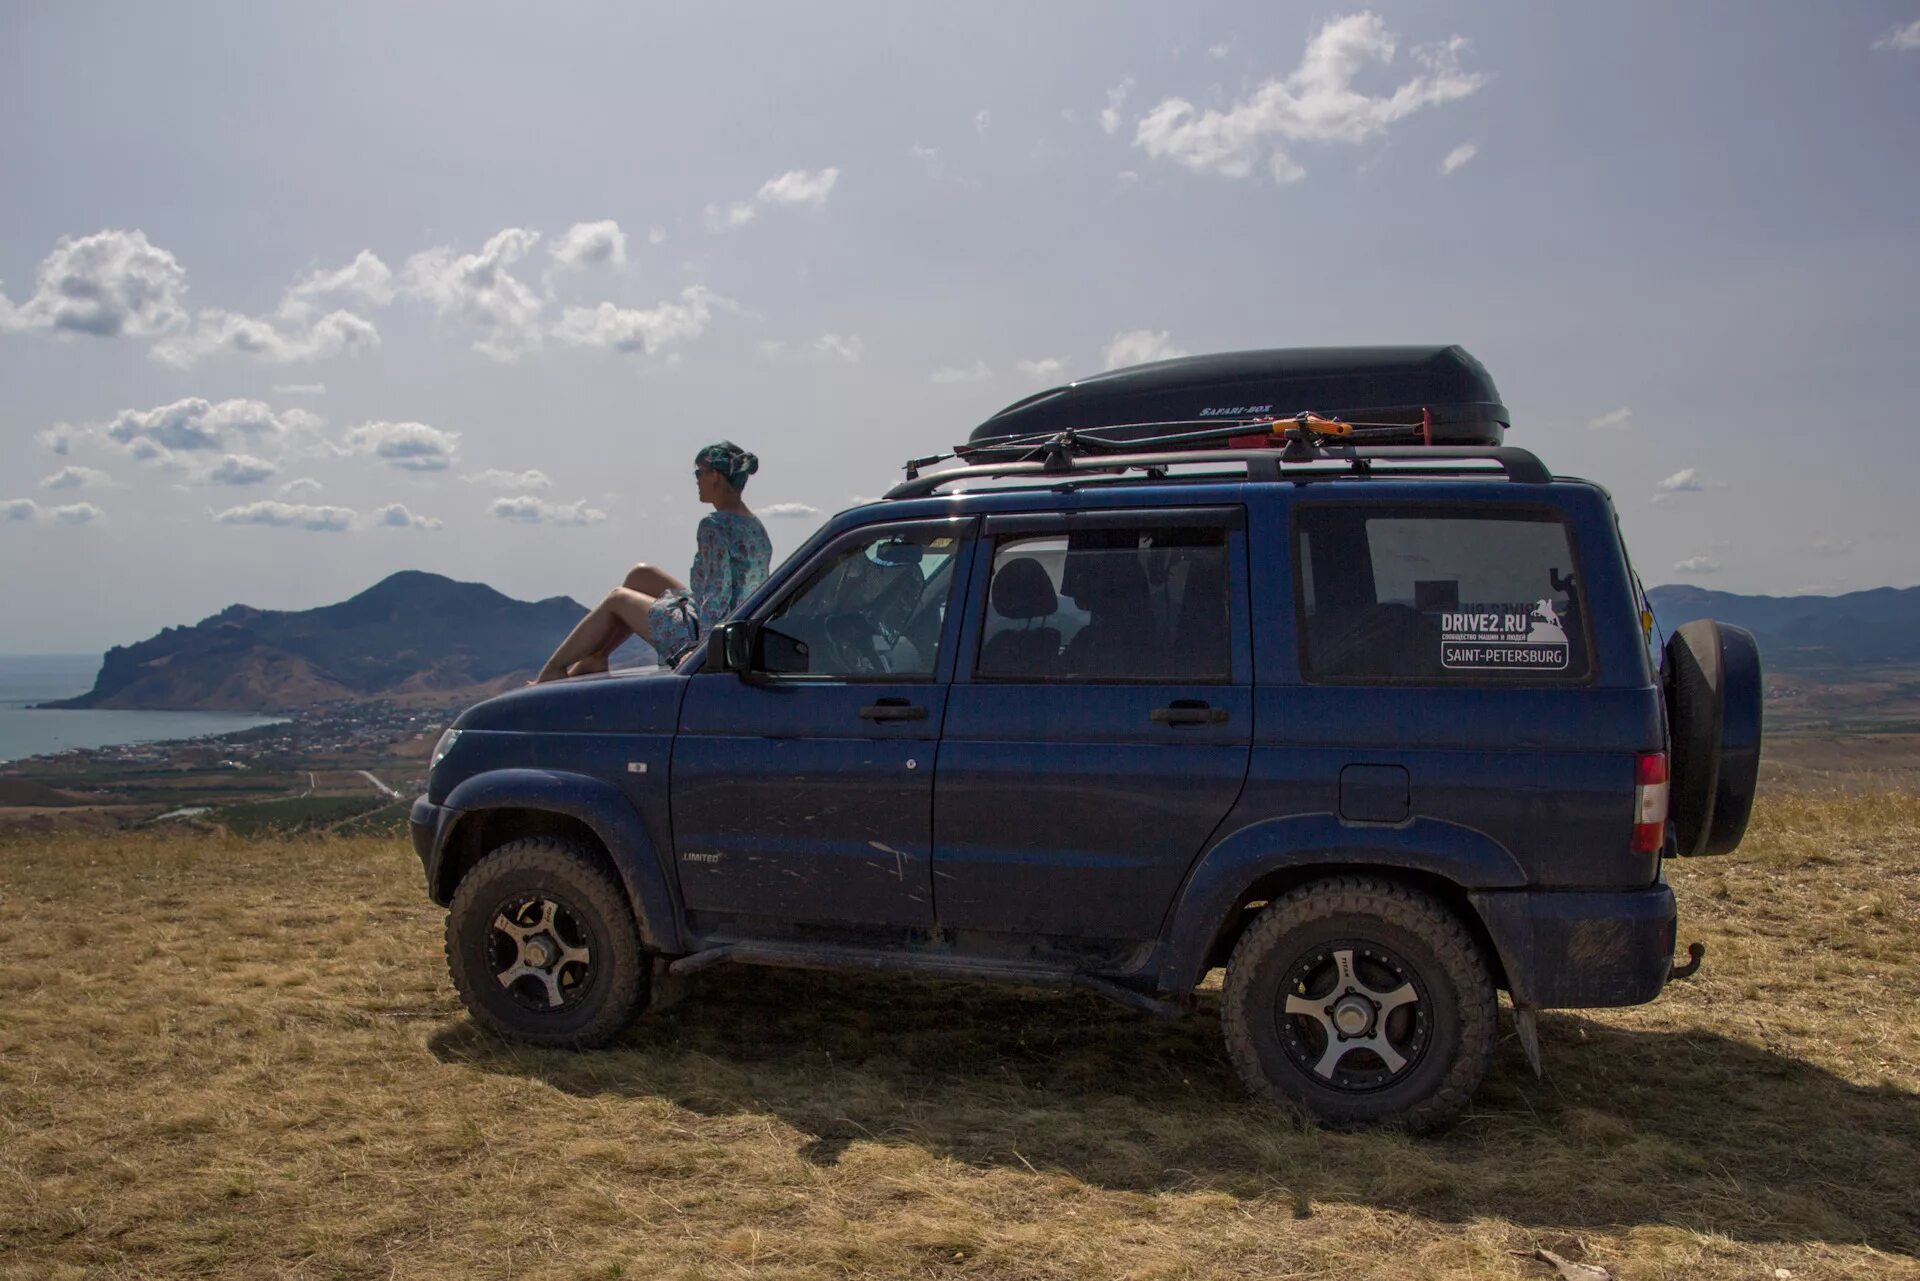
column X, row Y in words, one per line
column 1520, row 465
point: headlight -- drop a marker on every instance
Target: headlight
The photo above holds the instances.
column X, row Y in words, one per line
column 441, row 748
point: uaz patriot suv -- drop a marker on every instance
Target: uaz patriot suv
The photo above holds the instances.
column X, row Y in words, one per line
column 1275, row 661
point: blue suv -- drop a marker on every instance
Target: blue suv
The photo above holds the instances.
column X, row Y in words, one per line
column 1355, row 702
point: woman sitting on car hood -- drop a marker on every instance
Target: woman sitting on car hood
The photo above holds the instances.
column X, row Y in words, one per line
column 730, row 562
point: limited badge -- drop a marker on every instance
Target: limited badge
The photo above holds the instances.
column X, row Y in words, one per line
column 1504, row 638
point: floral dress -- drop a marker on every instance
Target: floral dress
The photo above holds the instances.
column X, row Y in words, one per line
column 730, row 563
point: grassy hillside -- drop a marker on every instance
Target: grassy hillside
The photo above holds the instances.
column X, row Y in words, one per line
column 240, row 1059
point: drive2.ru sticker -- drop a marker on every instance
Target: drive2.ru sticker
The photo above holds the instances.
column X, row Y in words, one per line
column 1503, row 638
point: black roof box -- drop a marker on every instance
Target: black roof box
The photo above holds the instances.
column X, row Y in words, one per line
column 1362, row 385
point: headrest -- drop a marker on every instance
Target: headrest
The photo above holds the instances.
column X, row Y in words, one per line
column 1105, row 578
column 1022, row 590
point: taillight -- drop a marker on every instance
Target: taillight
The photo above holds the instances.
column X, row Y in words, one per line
column 1649, row 802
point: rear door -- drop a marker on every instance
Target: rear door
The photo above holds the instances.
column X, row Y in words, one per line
column 1099, row 726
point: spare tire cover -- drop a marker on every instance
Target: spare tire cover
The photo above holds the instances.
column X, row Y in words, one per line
column 1713, row 692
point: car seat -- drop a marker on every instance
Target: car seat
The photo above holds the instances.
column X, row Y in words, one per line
column 1023, row 592
column 1118, row 640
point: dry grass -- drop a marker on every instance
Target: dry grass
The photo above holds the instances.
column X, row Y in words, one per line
column 230, row 1059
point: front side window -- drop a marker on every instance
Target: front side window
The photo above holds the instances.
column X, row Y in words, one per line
column 1138, row 604
column 1438, row 597
column 873, row 608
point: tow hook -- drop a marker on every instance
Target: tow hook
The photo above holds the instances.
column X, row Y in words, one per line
column 1695, row 953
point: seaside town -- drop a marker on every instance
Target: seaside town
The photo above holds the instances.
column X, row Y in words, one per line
column 334, row 766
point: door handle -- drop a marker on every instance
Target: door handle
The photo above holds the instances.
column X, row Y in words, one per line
column 892, row 709
column 1189, row 711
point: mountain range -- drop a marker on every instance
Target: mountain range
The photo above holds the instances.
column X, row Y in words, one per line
column 1873, row 628
column 411, row 633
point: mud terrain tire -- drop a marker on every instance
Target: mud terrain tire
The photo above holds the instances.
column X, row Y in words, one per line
column 591, row 973
column 1392, row 934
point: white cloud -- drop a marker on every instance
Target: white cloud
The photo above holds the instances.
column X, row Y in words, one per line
column 1116, row 98
column 239, row 469
column 144, row 449
column 1141, row 346
column 626, row 329
column 528, row 510
column 1611, row 420
column 305, row 326
column 795, row 187
column 396, row 516
column 76, row 478
column 299, row 389
column 106, row 285
column 482, row 290
column 798, row 187
column 982, row 119
column 1831, row 546
column 408, row 446
column 1901, row 39
column 928, row 156
column 300, row 486
column 25, row 509
column 656, row 235
column 366, row 281
column 1696, row 565
column 591, row 244
column 1685, row 481
column 1220, row 50
column 788, row 511
column 1046, row 369
column 61, row 437
column 1316, row 102
column 496, row 478
column 329, row 520
column 847, row 347
column 1458, row 156
column 274, row 340
column 974, row 373
column 195, row 423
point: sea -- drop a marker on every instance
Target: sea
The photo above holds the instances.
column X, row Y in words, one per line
column 26, row 679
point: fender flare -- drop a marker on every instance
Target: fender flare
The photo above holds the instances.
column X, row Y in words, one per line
column 1222, row 876
column 598, row 804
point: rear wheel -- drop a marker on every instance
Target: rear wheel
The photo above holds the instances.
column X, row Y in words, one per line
column 542, row 945
column 1361, row 1002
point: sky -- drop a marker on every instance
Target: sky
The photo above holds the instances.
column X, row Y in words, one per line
column 292, row 297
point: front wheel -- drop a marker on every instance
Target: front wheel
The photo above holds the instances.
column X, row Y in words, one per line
column 542, row 945
column 1362, row 1002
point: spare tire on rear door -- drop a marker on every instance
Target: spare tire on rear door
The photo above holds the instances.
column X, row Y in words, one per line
column 1712, row 676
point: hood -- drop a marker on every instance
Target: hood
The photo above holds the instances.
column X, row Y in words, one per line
column 644, row 700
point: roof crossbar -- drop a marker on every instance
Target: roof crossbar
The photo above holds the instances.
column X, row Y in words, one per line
column 1520, row 465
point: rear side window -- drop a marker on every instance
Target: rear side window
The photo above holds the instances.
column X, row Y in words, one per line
column 1438, row 597
column 1143, row 604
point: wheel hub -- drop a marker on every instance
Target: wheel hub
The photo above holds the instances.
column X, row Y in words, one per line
column 1352, row 1014
column 538, row 964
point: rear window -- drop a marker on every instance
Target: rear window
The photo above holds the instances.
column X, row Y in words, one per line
column 1438, row 597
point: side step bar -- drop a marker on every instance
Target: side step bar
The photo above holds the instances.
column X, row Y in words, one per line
column 793, row 956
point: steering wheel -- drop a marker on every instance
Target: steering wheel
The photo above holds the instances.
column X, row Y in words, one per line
column 850, row 645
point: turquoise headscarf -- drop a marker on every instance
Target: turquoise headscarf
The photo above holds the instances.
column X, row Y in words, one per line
column 731, row 461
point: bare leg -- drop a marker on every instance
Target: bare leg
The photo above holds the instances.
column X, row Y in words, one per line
column 649, row 581
column 623, row 609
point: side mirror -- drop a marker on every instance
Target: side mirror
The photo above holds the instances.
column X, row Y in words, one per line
column 731, row 646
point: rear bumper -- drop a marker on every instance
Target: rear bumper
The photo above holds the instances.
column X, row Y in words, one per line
column 1581, row 949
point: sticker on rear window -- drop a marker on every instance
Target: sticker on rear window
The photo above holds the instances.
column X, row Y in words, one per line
column 1503, row 638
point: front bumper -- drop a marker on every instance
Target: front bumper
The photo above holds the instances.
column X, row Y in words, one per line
column 429, row 823
column 1581, row 949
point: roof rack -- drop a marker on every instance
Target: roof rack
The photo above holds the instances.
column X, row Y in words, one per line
column 1060, row 459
